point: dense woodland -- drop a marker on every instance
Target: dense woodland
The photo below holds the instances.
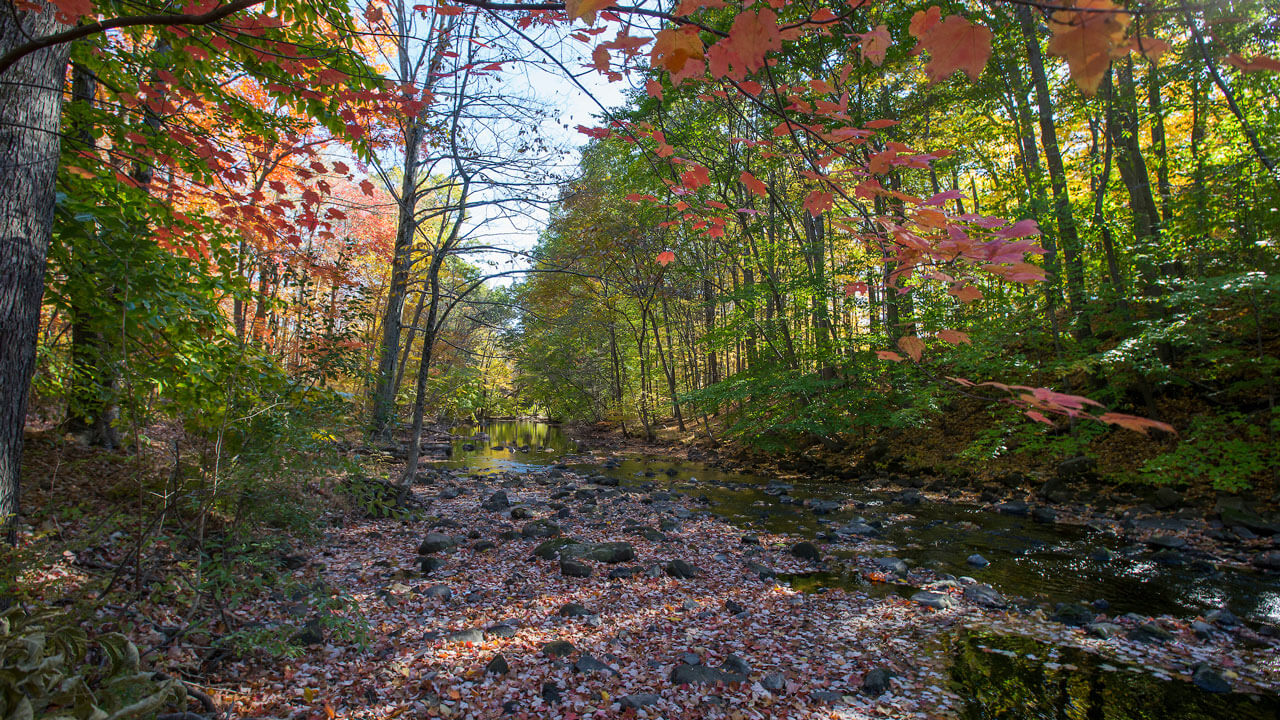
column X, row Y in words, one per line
column 248, row 246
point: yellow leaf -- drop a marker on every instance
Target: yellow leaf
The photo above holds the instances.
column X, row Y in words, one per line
column 585, row 9
column 911, row 345
column 1086, row 37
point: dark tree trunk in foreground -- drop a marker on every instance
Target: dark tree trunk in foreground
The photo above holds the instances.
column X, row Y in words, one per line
column 30, row 109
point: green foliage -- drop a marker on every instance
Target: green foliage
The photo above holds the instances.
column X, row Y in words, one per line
column 375, row 498
column 335, row 616
column 49, row 669
column 1011, row 434
column 1229, row 452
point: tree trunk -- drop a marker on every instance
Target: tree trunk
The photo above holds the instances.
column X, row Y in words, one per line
column 1124, row 131
column 30, row 109
column 384, row 393
column 1069, row 239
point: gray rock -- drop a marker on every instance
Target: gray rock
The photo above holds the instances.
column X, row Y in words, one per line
column 1014, row 507
column 1150, row 633
column 1209, row 680
column 937, row 601
column 501, row 630
column 613, row 552
column 574, row 568
column 439, row 592
column 551, row 693
column 860, row 529
column 1232, row 516
column 894, row 565
column 735, row 664
column 470, row 635
column 1167, row 542
column 558, row 649
column 1076, row 468
column 497, row 501
column 774, row 682
column 681, row 570
column 689, row 658
column 1166, row 498
column 984, row 595
column 588, row 664
column 683, row 674
column 551, row 549
column 521, row 513
column 823, row 507
column 1073, row 614
column 497, row 666
column 977, row 560
column 540, row 529
column 1222, row 618
column 1269, row 560
column 877, row 682
column 1202, row 629
column 435, row 542
column 430, row 564
column 734, row 607
column 806, row 551
column 831, row 697
column 764, row 572
column 572, row 610
column 1104, row 630
column 1046, row 515
column 625, row 572
column 638, row 700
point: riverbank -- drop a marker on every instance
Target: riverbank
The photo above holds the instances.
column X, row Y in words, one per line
column 558, row 594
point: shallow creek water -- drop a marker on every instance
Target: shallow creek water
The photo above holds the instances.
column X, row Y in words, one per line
column 1041, row 562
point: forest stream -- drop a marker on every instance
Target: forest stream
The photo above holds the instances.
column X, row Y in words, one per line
column 1034, row 564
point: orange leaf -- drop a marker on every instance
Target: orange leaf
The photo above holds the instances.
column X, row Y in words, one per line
column 1135, row 423
column 600, row 59
column 1038, row 417
column 911, row 345
column 818, row 202
column 967, row 293
column 1086, row 38
column 585, row 9
column 955, row 337
column 752, row 36
column 753, row 184
column 680, row 52
column 1253, row 64
column 875, row 44
column 666, row 257
column 955, row 44
column 889, row 355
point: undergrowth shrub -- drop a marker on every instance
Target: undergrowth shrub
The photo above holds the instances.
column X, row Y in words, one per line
column 50, row 669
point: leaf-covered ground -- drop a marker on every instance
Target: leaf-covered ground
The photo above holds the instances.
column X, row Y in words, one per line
column 420, row 661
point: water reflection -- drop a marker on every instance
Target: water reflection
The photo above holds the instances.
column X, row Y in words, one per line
column 1016, row 678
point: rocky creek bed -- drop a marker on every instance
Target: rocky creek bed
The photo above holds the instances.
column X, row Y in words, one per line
column 560, row 590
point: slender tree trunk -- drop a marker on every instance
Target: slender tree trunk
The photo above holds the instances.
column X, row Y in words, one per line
column 402, row 259
column 1124, row 130
column 1068, row 236
column 668, row 366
